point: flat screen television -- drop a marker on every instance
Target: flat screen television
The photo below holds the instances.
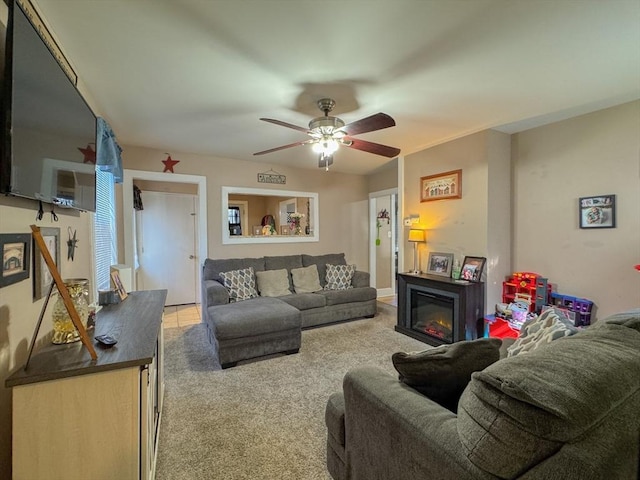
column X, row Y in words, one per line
column 48, row 143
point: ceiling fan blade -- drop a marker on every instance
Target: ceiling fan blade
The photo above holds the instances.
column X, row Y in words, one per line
column 284, row 146
column 368, row 124
column 371, row 147
column 285, row 124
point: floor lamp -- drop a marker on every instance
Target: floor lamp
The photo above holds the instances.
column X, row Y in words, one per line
column 415, row 236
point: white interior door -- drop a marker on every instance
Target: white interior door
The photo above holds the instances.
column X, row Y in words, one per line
column 167, row 246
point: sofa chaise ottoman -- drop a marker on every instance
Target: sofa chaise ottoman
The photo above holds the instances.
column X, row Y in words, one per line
column 254, row 328
column 292, row 292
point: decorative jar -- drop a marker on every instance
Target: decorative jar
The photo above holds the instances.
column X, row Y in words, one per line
column 64, row 331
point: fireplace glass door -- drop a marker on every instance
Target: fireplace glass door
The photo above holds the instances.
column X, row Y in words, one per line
column 433, row 315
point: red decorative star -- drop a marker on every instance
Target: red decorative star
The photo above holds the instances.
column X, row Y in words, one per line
column 89, row 154
column 169, row 163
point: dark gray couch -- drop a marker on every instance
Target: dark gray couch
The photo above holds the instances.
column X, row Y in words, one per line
column 568, row 410
column 265, row 325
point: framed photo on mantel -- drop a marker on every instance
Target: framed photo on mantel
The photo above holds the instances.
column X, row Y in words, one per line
column 472, row 268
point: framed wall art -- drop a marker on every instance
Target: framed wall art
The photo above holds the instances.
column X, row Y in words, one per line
column 118, row 286
column 42, row 277
column 441, row 186
column 15, row 249
column 472, row 268
column 440, row 264
column 598, row 211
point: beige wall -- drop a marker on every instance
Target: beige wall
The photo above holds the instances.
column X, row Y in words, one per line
column 342, row 198
column 556, row 164
column 522, row 214
column 385, row 178
column 462, row 226
column 18, row 312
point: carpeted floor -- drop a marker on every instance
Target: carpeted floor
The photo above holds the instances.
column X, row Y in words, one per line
column 262, row 419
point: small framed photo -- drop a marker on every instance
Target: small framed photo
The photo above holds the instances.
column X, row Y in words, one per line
column 472, row 268
column 440, row 264
column 441, row 186
column 117, row 283
column 42, row 277
column 257, row 230
column 15, row 248
column 598, row 211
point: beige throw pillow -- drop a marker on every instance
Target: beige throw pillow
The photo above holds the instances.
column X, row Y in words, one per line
column 273, row 283
column 306, row 279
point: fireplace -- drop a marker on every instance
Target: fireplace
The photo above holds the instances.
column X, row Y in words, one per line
column 432, row 314
column 438, row 310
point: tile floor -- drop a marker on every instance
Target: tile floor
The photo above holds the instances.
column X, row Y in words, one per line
column 181, row 315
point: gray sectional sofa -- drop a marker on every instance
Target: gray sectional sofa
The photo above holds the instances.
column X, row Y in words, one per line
column 568, row 410
column 264, row 325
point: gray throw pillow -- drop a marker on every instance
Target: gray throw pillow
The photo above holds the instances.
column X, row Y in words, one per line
column 442, row 373
column 273, row 283
column 305, row 279
column 339, row 277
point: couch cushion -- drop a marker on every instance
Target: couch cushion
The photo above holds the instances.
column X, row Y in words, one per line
column 339, row 277
column 287, row 262
column 305, row 279
column 305, row 301
column 339, row 297
column 273, row 283
column 548, row 326
column 321, row 262
column 212, row 267
column 629, row 319
column 240, row 283
column 531, row 404
column 254, row 317
column 442, row 373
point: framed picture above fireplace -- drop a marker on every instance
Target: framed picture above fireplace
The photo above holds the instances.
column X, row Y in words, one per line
column 472, row 268
column 440, row 264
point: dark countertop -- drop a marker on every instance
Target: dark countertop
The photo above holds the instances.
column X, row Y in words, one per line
column 135, row 322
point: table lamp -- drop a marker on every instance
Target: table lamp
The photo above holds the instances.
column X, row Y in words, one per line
column 415, row 236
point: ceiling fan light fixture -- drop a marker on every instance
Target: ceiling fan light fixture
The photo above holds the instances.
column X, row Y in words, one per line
column 326, row 146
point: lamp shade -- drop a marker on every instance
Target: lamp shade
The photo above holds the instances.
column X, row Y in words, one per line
column 416, row 235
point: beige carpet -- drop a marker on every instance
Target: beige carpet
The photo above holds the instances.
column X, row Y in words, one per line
column 262, row 419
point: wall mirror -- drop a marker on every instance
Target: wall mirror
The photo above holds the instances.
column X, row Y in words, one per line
column 260, row 215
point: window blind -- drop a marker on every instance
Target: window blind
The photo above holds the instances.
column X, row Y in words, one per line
column 105, row 229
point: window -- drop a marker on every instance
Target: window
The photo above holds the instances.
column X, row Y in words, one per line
column 104, row 229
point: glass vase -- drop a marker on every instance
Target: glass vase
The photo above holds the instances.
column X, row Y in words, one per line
column 64, row 331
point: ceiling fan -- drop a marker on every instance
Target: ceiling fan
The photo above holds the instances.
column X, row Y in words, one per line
column 328, row 133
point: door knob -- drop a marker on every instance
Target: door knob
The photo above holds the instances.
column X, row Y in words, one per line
column 191, row 257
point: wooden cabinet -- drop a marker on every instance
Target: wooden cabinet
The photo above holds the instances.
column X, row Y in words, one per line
column 74, row 418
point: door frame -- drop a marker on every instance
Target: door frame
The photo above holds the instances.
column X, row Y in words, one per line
column 129, row 218
column 393, row 192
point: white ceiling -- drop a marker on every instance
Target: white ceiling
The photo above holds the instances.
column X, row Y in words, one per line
column 196, row 75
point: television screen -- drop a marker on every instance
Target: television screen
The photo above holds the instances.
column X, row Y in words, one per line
column 49, row 144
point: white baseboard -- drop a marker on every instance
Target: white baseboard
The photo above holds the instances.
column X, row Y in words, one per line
column 385, row 292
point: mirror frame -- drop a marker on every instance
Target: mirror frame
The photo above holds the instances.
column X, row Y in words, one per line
column 228, row 239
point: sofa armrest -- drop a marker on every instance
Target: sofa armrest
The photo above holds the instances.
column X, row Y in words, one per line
column 213, row 293
column 392, row 431
column 360, row 279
